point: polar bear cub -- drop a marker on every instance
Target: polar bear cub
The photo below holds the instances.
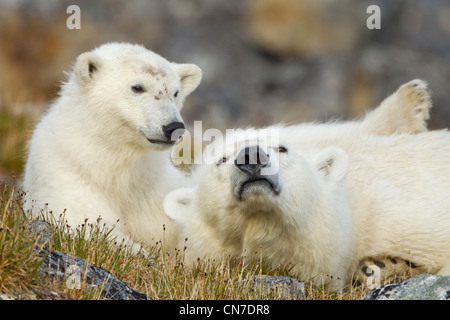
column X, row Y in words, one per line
column 323, row 207
column 102, row 147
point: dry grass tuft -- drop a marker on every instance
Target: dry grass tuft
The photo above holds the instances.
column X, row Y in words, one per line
column 18, row 258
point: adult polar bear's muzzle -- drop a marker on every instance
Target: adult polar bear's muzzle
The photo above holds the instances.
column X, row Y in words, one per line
column 249, row 176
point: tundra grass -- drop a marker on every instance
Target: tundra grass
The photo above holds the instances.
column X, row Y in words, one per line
column 156, row 273
column 18, row 261
column 14, row 133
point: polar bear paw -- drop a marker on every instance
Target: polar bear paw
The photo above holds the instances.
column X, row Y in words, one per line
column 415, row 94
column 405, row 111
column 374, row 272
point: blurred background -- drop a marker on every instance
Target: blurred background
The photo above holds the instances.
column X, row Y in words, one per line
column 263, row 61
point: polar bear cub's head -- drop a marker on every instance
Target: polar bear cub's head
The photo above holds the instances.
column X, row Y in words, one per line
column 259, row 193
column 129, row 87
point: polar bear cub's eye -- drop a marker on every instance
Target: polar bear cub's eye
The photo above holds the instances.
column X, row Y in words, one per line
column 223, row 160
column 175, row 94
column 137, row 88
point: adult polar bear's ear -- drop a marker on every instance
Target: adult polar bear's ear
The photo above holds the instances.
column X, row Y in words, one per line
column 190, row 76
column 178, row 204
column 332, row 163
column 86, row 65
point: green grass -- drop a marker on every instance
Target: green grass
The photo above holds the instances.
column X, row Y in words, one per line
column 157, row 274
column 14, row 133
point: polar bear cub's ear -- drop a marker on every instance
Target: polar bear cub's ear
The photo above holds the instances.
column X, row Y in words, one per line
column 86, row 65
column 332, row 163
column 190, row 76
column 178, row 204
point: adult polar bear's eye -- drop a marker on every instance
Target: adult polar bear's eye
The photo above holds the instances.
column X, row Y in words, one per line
column 175, row 94
column 282, row 149
column 137, row 88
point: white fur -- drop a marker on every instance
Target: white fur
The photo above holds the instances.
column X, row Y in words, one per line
column 398, row 192
column 308, row 223
column 91, row 155
column 394, row 202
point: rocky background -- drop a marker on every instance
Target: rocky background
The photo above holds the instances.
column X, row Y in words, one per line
column 264, row 61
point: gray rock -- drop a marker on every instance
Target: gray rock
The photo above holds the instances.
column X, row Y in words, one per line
column 420, row 287
column 74, row 270
column 286, row 287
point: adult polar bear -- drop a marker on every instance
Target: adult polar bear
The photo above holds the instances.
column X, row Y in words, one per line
column 323, row 209
column 100, row 150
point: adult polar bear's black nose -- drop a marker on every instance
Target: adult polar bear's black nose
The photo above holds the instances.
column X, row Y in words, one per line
column 170, row 129
column 251, row 159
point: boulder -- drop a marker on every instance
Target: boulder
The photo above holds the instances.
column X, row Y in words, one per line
column 420, row 287
column 61, row 266
column 284, row 287
column 73, row 270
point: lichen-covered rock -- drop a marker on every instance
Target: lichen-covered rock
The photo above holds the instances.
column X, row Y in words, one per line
column 285, row 287
column 420, row 287
column 73, row 270
column 64, row 267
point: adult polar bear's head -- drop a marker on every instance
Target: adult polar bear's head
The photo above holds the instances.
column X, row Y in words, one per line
column 260, row 195
column 254, row 171
column 132, row 89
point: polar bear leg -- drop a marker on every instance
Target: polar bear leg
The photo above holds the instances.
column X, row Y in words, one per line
column 404, row 111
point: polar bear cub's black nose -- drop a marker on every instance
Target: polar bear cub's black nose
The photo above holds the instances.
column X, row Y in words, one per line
column 171, row 127
column 251, row 159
